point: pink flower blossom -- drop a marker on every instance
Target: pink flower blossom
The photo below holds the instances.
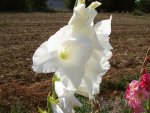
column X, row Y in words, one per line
column 145, row 81
column 135, row 96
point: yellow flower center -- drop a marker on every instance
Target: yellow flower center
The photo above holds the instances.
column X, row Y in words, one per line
column 82, row 1
column 63, row 54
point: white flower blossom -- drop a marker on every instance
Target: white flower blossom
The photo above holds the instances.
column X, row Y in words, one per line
column 63, row 55
column 66, row 97
column 79, row 54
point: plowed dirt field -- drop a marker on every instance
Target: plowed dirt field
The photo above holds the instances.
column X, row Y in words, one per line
column 22, row 33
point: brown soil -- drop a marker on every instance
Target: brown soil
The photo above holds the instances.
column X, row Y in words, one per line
column 22, row 33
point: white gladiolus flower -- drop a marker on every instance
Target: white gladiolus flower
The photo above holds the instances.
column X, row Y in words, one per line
column 63, row 55
column 66, row 97
column 79, row 54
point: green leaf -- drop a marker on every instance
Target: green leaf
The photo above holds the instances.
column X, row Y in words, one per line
column 54, row 79
column 50, row 101
column 41, row 111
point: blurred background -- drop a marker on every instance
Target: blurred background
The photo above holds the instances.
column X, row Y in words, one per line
column 65, row 5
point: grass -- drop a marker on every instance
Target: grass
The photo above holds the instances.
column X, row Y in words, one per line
column 18, row 108
column 86, row 105
column 118, row 84
column 123, row 103
column 138, row 12
column 106, row 109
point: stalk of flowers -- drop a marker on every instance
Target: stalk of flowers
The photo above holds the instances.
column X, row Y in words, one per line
column 79, row 55
column 138, row 92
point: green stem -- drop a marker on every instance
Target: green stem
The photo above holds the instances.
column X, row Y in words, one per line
column 50, row 101
column 76, row 3
column 148, row 105
column 54, row 79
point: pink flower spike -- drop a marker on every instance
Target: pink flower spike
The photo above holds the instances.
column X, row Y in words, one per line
column 135, row 96
column 145, row 81
column 134, row 85
column 139, row 109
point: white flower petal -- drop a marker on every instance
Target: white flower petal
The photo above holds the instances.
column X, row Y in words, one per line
column 79, row 16
column 104, row 41
column 76, row 48
column 43, row 61
column 75, row 74
column 69, row 101
column 103, row 30
column 92, row 13
column 82, row 17
column 92, row 70
column 95, row 68
column 104, row 26
column 56, row 108
column 67, row 83
column 97, row 44
column 66, row 97
column 73, row 66
column 60, row 89
column 83, row 89
column 106, row 56
column 56, row 41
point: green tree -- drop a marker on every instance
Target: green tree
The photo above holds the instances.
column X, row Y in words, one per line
column 39, row 5
column 70, row 4
column 23, row 5
column 118, row 5
column 29, row 5
column 143, row 5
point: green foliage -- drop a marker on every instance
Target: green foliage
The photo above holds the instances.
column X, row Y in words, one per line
column 50, row 101
column 138, row 12
column 18, row 108
column 143, row 5
column 12, row 5
column 29, row 5
column 86, row 105
column 147, row 106
column 41, row 111
column 39, row 5
column 23, row 5
column 105, row 110
column 118, row 5
column 54, row 79
column 120, row 83
column 123, row 104
column 108, row 5
column 70, row 4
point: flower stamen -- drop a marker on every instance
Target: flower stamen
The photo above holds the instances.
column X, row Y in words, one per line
column 95, row 4
column 63, row 54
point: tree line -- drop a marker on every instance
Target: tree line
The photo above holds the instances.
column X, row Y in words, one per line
column 117, row 5
column 107, row 5
column 22, row 5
